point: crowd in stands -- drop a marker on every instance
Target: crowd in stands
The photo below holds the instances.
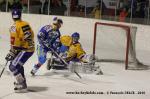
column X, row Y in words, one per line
column 125, row 10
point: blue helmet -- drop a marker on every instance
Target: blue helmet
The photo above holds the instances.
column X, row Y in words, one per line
column 75, row 34
column 75, row 37
column 16, row 13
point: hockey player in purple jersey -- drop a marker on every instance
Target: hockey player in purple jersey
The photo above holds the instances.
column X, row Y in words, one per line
column 48, row 38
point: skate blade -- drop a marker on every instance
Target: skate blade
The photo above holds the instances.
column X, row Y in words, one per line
column 21, row 91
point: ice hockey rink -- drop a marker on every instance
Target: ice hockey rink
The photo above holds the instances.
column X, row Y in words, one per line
column 115, row 83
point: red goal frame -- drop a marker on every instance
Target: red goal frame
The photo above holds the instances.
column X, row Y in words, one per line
column 125, row 27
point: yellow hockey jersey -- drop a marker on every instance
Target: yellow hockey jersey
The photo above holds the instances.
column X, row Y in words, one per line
column 22, row 36
column 75, row 49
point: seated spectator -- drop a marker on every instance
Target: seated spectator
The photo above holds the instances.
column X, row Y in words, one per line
column 96, row 12
column 123, row 15
column 81, row 11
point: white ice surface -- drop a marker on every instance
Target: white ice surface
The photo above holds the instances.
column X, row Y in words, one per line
column 54, row 85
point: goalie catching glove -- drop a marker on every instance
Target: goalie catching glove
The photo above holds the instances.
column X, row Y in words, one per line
column 11, row 55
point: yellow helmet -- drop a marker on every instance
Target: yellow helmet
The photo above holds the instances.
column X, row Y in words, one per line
column 66, row 40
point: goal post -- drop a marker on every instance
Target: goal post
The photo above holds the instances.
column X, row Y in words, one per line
column 114, row 43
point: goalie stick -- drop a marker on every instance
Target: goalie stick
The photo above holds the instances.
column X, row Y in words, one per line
column 3, row 69
column 55, row 53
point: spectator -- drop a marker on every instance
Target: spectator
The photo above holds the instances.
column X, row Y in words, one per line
column 24, row 6
column 44, row 6
column 56, row 3
column 73, row 5
column 133, row 5
column 81, row 11
column 58, row 7
column 123, row 15
column 15, row 4
column 10, row 3
column 96, row 12
column 141, row 10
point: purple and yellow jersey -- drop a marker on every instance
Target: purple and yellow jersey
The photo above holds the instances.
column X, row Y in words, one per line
column 22, row 36
column 75, row 49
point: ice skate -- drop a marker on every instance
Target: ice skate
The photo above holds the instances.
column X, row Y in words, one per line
column 33, row 72
column 20, row 84
column 20, row 88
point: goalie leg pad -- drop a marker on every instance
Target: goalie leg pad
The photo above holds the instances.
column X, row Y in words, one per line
column 90, row 68
column 73, row 66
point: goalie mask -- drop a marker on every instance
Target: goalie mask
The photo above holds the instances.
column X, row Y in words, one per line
column 75, row 36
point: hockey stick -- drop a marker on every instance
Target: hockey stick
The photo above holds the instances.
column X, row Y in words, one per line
column 77, row 74
column 55, row 53
column 3, row 69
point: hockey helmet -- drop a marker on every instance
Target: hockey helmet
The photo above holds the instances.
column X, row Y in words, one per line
column 16, row 13
column 66, row 40
column 57, row 21
column 75, row 36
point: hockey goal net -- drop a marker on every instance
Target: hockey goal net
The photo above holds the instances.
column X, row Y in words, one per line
column 114, row 43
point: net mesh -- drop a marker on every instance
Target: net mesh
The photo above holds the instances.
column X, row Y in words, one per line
column 111, row 43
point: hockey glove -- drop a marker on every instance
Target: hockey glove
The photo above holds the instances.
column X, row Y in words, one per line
column 47, row 44
column 11, row 55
